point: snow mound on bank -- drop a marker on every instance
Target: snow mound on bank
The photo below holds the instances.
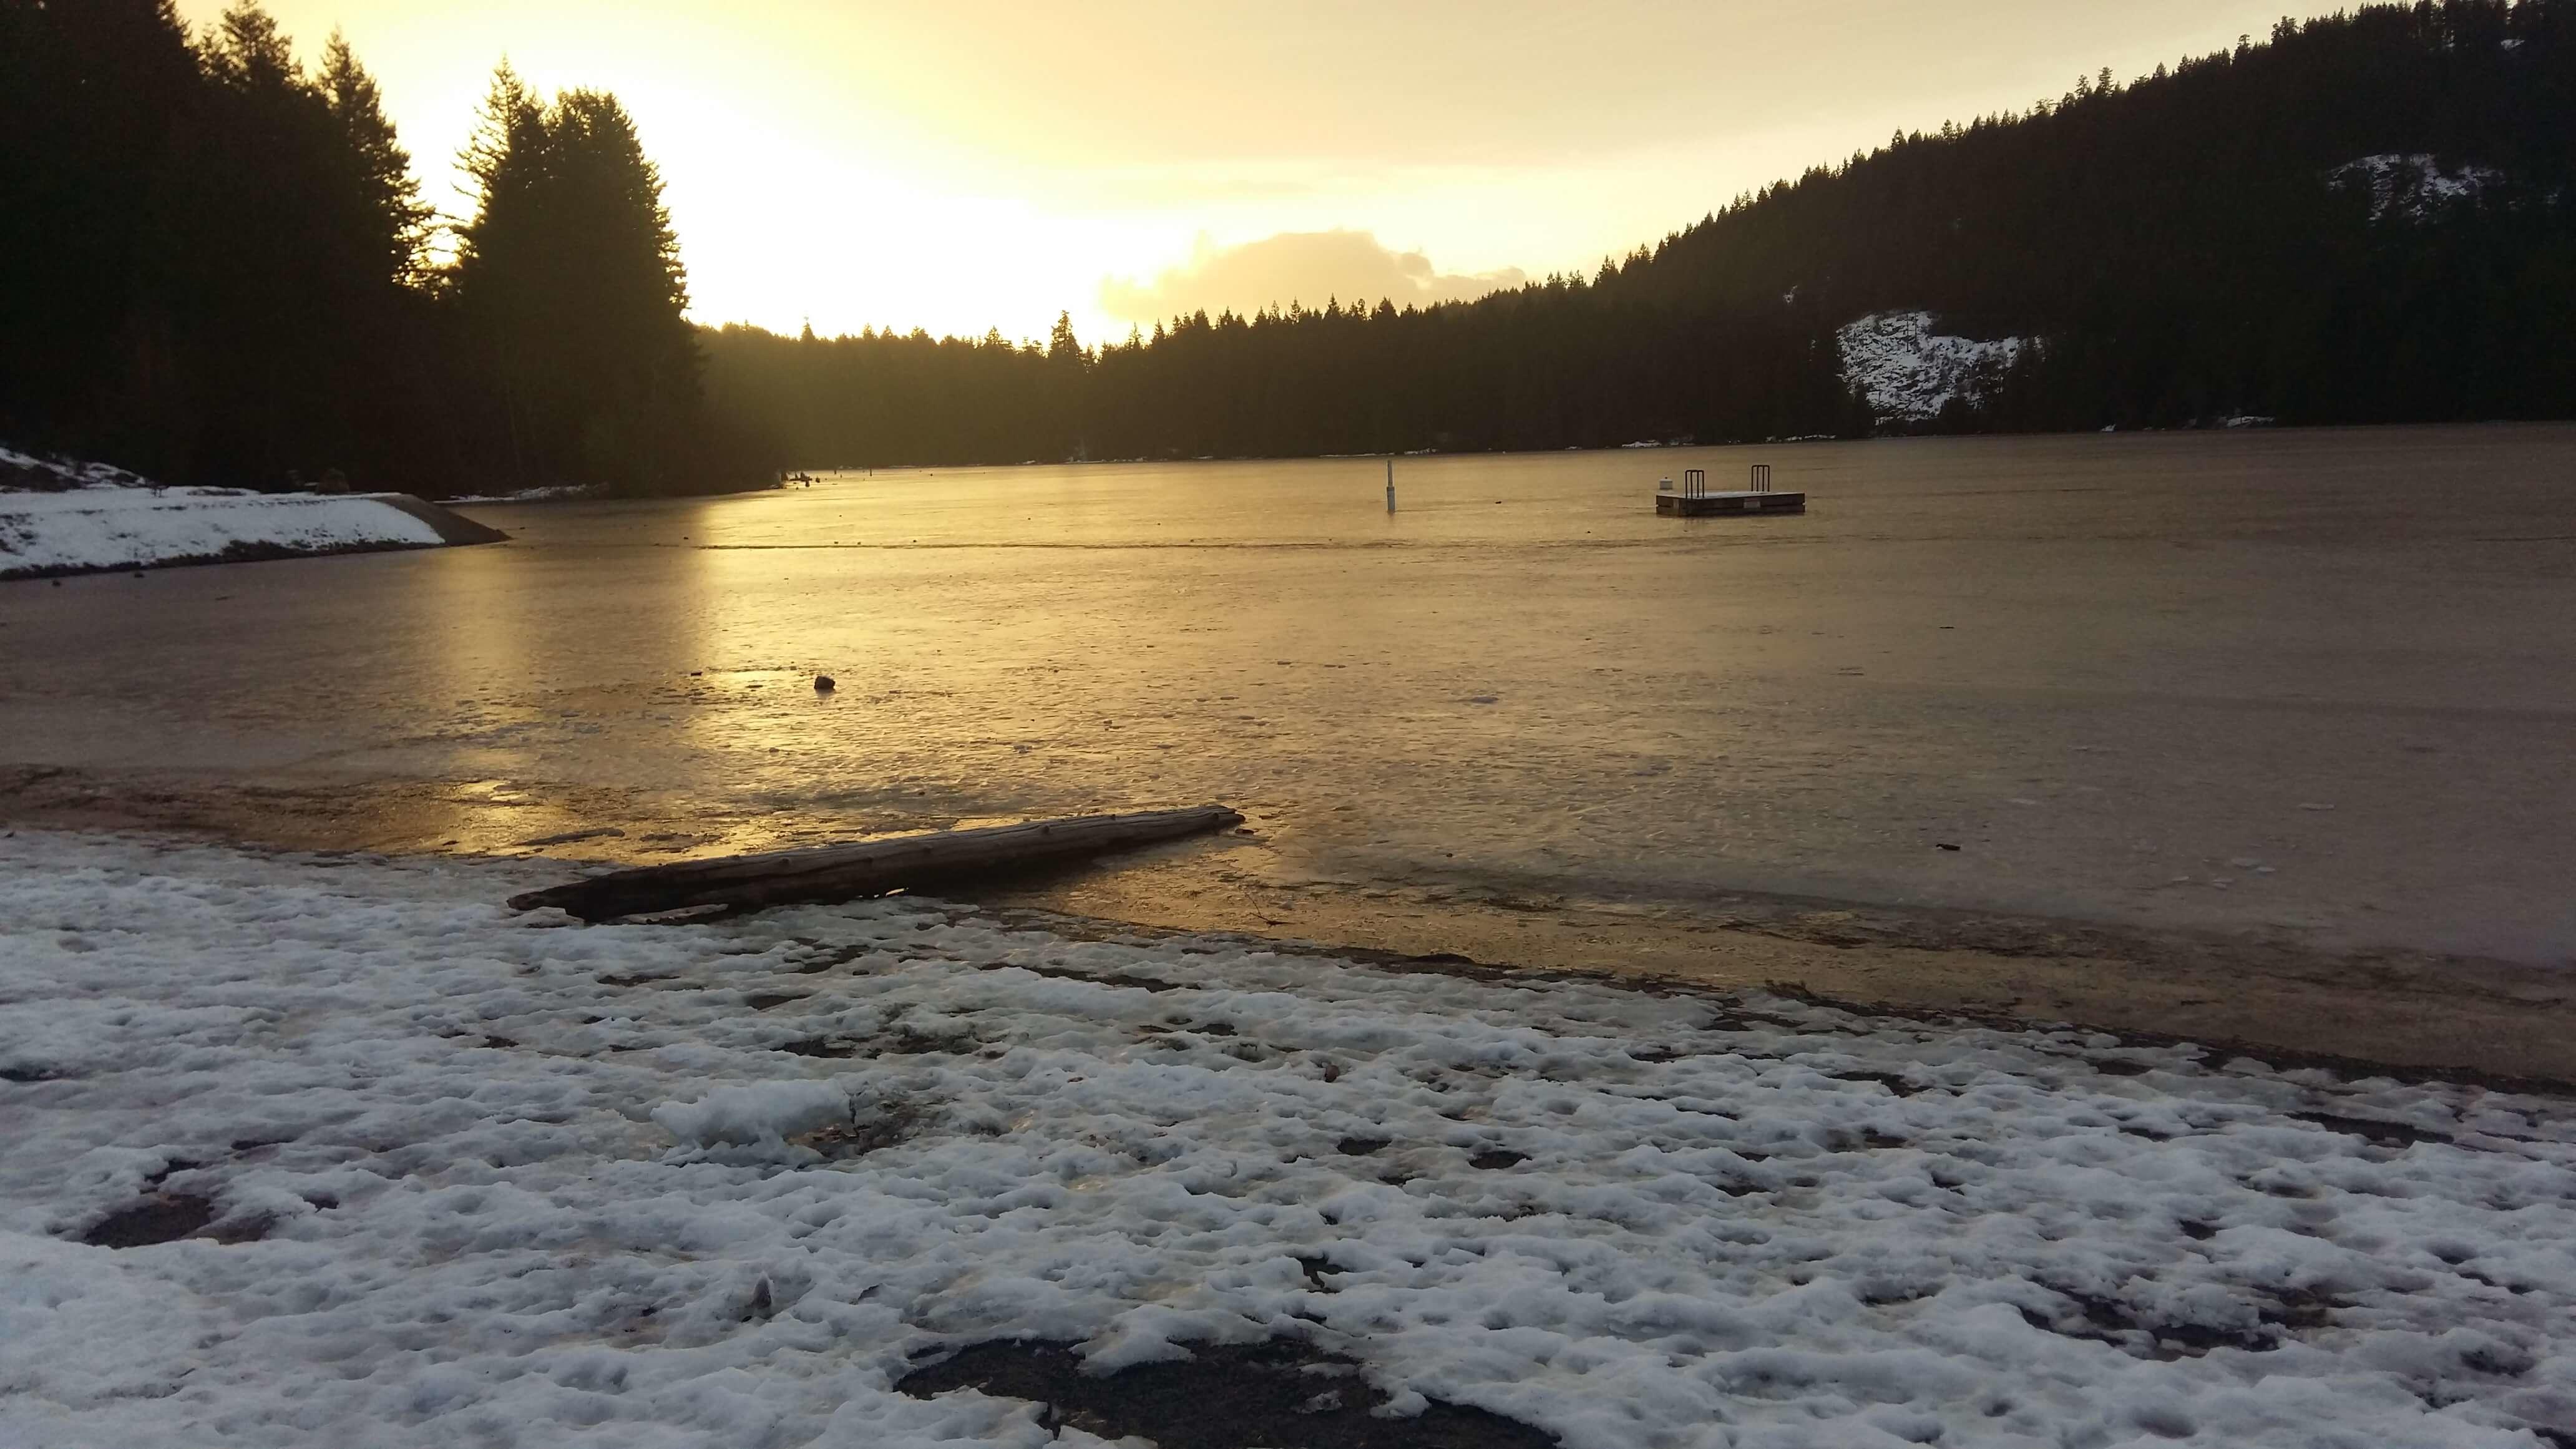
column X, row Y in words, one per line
column 104, row 526
column 1675, row 1220
column 1908, row 373
column 553, row 493
column 763, row 1112
column 2412, row 187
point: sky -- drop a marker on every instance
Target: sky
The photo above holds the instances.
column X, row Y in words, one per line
column 973, row 164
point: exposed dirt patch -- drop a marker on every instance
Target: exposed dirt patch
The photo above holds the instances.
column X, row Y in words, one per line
column 904, row 1041
column 1063, row 973
column 166, row 1217
column 1890, row 1080
column 1277, row 1395
column 2279, row 1059
column 2302, row 1308
column 2374, row 1129
column 2105, row 1320
column 2086, row 1315
column 815, row 1046
column 889, row 1124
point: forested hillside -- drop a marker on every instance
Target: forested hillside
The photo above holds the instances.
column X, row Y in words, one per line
column 215, row 267
column 2366, row 218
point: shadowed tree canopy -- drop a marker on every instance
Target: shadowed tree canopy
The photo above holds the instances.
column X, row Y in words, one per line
column 389, row 221
column 238, row 286
column 90, row 98
column 568, row 278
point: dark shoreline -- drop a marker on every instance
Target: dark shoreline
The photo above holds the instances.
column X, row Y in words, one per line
column 2408, row 1016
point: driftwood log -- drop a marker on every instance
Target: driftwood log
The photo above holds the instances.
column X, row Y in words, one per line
column 825, row 873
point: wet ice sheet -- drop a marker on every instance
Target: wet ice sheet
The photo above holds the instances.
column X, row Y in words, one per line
column 516, row 1181
column 2119, row 672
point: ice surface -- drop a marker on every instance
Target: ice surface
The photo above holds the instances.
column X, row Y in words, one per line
column 1953, row 624
column 112, row 526
column 526, row 1183
column 1908, row 373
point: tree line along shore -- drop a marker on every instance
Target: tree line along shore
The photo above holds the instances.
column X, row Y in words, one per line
column 243, row 285
column 2365, row 218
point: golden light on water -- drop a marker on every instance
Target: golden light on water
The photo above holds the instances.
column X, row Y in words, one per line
column 960, row 167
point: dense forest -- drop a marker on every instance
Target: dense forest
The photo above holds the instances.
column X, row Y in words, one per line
column 215, row 266
column 2191, row 245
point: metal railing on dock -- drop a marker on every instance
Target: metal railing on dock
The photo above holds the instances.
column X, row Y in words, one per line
column 1697, row 500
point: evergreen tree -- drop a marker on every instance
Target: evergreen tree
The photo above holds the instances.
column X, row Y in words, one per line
column 387, row 217
column 499, row 283
column 90, row 97
column 569, row 281
column 293, row 234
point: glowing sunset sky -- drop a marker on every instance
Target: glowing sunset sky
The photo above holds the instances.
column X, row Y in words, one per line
column 959, row 166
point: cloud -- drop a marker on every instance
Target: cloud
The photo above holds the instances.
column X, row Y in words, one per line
column 1296, row 266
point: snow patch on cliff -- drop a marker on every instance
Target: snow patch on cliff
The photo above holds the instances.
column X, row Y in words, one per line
column 1907, row 372
column 41, row 474
column 2411, row 187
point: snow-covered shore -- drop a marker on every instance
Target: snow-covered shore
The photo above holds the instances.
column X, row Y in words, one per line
column 471, row 1177
column 110, row 520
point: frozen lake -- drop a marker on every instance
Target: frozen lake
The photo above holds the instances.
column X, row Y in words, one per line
column 2312, row 686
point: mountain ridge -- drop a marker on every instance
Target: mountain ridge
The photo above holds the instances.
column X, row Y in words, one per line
column 2363, row 218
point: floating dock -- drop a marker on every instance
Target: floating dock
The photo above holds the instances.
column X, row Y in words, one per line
column 1694, row 500
column 1692, row 505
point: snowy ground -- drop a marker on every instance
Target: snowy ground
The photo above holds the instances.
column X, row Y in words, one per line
column 486, row 1179
column 107, row 527
column 561, row 492
column 1908, row 373
column 62, row 516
